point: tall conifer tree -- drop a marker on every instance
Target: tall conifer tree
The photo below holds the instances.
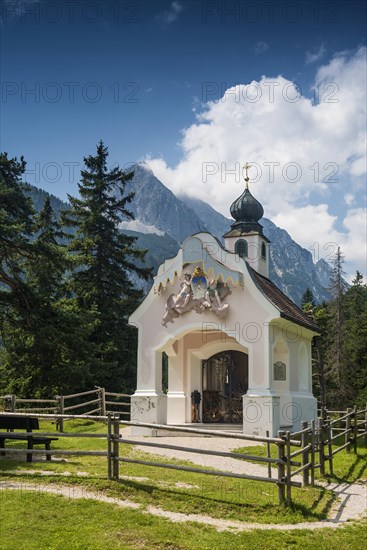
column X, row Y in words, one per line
column 16, row 223
column 318, row 314
column 337, row 288
column 105, row 259
column 47, row 353
column 308, row 298
column 355, row 342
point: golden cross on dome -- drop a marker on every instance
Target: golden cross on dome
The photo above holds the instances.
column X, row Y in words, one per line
column 246, row 168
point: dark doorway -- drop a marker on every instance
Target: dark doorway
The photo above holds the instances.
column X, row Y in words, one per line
column 225, row 381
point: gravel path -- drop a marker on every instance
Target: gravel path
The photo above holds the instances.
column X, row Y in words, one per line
column 355, row 494
column 352, row 498
column 222, row 463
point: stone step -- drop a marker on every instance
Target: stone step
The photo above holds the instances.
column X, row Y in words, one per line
column 214, row 427
column 233, row 428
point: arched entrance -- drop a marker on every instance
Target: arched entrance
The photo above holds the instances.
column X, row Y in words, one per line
column 225, row 380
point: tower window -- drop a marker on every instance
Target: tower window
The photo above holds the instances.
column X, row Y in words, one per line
column 263, row 251
column 241, row 248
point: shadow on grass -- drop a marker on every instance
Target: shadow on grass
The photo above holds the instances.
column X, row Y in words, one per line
column 200, row 502
column 232, row 500
column 360, row 462
column 329, row 499
column 356, row 471
column 19, row 465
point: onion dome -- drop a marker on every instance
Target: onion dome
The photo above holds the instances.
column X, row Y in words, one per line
column 246, row 208
column 247, row 211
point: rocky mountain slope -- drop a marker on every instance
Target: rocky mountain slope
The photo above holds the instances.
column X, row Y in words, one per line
column 163, row 221
column 291, row 266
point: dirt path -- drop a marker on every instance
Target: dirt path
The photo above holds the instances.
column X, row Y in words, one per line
column 222, row 463
column 352, row 498
column 353, row 502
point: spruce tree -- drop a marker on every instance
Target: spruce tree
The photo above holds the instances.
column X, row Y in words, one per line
column 307, row 298
column 105, row 258
column 336, row 363
column 47, row 273
column 318, row 314
column 47, row 353
column 355, row 342
column 321, row 317
column 16, row 222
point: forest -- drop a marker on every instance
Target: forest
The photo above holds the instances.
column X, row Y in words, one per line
column 67, row 290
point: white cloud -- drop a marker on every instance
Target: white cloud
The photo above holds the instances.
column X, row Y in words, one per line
column 315, row 54
column 355, row 239
column 260, row 47
column 321, row 236
column 169, row 16
column 349, row 199
column 319, row 147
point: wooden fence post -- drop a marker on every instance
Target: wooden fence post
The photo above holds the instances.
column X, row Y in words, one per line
column 103, row 401
column 109, row 446
column 116, row 445
column 11, row 403
column 8, row 404
column 313, row 442
column 347, row 427
column 365, row 426
column 321, row 445
column 60, row 410
column 268, row 453
column 288, row 468
column 281, row 471
column 355, row 430
column 330, row 446
column 305, row 453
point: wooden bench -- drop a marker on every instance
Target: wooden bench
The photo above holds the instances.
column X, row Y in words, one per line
column 26, row 423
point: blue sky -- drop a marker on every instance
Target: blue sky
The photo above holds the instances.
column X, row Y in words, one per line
column 171, row 82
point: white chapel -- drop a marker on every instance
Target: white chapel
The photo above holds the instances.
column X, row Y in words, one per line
column 238, row 349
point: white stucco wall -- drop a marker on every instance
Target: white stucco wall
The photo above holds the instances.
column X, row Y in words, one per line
column 252, row 325
column 254, row 258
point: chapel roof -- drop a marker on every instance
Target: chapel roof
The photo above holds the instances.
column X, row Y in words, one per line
column 288, row 309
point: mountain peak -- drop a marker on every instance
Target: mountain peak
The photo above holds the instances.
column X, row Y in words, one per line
column 163, row 221
column 142, row 166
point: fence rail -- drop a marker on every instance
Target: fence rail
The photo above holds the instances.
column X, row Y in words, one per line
column 121, row 404
column 314, row 447
column 115, row 442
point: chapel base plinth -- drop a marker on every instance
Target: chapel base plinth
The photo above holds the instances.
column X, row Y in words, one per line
column 296, row 408
column 150, row 409
column 176, row 407
column 261, row 414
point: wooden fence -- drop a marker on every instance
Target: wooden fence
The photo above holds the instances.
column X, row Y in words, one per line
column 98, row 401
column 297, row 453
column 342, row 428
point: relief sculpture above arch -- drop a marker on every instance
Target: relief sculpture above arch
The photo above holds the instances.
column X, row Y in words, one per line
column 199, row 294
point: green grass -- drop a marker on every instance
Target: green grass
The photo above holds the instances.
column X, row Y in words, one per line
column 38, row 520
column 347, row 466
column 218, row 497
column 48, row 522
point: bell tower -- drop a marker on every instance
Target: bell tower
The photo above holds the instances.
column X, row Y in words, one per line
column 246, row 236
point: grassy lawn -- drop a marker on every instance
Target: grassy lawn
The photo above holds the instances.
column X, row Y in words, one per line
column 40, row 521
column 347, row 466
column 48, row 521
column 243, row 500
